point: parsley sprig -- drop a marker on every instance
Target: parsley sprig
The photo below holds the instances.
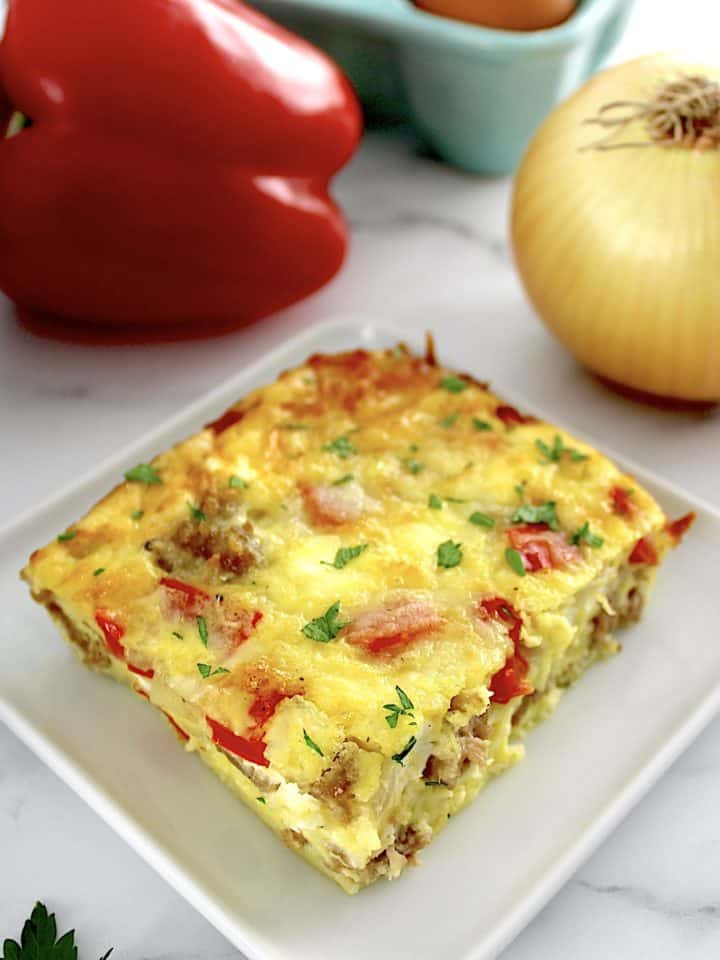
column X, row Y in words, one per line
column 311, row 743
column 544, row 513
column 344, row 556
column 585, row 535
column 39, row 941
column 237, row 483
column 515, row 561
column 449, row 420
column 557, row 451
column 481, row 520
column 449, row 554
column 195, row 512
column 327, row 627
column 143, row 473
column 202, row 630
column 342, row 446
column 453, row 384
column 404, row 710
column 206, row 671
column 68, row 535
column 399, row 757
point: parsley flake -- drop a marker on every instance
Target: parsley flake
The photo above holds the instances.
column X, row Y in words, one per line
column 449, row 554
column 515, row 561
column 311, row 743
column 202, row 630
column 69, row 535
column 434, row 502
column 399, row 757
column 196, row 513
column 520, row 490
column 555, row 453
column 481, row 424
column 345, row 555
column 455, row 500
column 414, row 466
column 342, row 446
column 348, row 478
column 585, row 535
column 325, row 628
column 481, row 519
column 206, row 671
column 434, row 783
column 179, row 636
column 545, row 513
column 395, row 712
column 137, row 514
column 449, row 420
column 98, row 571
column 260, row 799
column 237, row 483
column 294, row 426
column 453, row 384
column 143, row 473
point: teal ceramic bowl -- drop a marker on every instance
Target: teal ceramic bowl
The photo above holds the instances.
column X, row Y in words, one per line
column 475, row 95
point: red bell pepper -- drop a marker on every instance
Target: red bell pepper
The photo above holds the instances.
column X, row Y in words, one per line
column 173, row 176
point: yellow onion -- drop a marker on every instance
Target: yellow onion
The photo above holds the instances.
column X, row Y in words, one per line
column 616, row 226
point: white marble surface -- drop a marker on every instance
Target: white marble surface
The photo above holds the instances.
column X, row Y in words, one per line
column 429, row 251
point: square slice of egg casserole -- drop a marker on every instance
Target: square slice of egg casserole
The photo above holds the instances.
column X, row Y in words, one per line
column 355, row 591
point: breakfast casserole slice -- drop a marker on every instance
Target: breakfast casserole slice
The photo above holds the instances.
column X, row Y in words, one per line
column 355, row 591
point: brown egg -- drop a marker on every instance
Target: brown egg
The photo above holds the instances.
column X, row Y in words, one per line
column 504, row 14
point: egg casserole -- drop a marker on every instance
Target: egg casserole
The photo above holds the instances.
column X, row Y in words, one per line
column 355, row 591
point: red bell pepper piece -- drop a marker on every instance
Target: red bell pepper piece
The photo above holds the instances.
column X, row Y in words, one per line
column 644, row 552
column 113, row 632
column 511, row 679
column 542, row 548
column 175, row 170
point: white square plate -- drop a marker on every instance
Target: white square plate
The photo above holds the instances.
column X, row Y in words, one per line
column 494, row 866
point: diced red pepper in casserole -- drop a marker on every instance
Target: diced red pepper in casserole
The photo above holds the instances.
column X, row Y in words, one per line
column 113, row 632
column 187, row 601
column 392, row 627
column 644, row 552
column 511, row 417
column 511, row 680
column 225, row 421
column 140, row 672
column 678, row 528
column 542, row 548
column 247, row 748
column 621, row 502
column 179, row 730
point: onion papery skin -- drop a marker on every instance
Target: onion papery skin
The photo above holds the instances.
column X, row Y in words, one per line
column 619, row 250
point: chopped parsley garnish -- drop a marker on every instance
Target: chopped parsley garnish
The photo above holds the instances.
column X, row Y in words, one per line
column 555, row 453
column 455, row 500
column 413, row 448
column 545, row 513
column 137, row 514
column 143, row 473
column 481, row 424
column 179, row 636
column 395, row 712
column 434, row 502
column 342, row 446
column 196, row 513
column 414, row 466
column 206, row 671
column 520, row 489
column 202, row 630
column 453, row 384
column 237, row 483
column 449, row 554
column 311, row 743
column 449, row 420
column 98, row 571
column 515, row 561
column 325, row 628
column 39, row 940
column 481, row 519
column 344, row 556
column 348, row 478
column 434, row 783
column 585, row 535
column 69, row 535
column 399, row 757
column 260, row 799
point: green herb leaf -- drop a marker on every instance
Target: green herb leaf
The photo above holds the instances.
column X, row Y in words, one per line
column 520, row 489
column 585, row 535
column 414, row 466
column 207, row 671
column 434, row 783
column 38, row 939
column 294, row 426
column 137, row 514
column 449, row 420
column 98, row 571
column 434, row 502
column 345, row 555
column 394, row 712
column 341, row 480
column 179, row 636
column 545, row 513
column 143, row 473
column 202, row 630
column 68, row 535
column 399, row 757
column 325, row 628
column 455, row 500
column 481, row 519
column 342, row 446
column 413, row 448
column 392, row 717
column 515, row 561
column 196, row 513
column 237, row 483
column 453, row 384
column 405, row 701
column 311, row 743
column 260, row 799
column 481, row 424
column 555, row 453
column 449, row 554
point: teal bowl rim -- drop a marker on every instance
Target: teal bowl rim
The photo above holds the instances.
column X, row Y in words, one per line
column 407, row 19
